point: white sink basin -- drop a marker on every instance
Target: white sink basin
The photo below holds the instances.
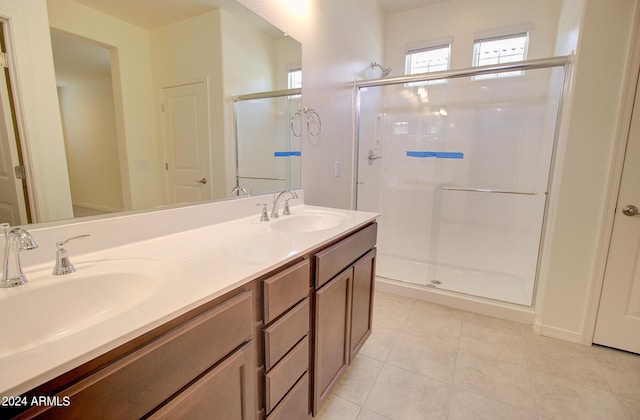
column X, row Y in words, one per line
column 307, row 222
column 49, row 308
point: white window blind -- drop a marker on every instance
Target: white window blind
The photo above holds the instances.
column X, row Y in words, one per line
column 428, row 59
column 501, row 49
column 295, row 79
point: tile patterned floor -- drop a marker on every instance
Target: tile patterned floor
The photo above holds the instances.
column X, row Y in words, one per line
column 425, row 361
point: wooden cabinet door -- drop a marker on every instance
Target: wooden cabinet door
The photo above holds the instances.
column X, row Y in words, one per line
column 362, row 301
column 225, row 392
column 331, row 335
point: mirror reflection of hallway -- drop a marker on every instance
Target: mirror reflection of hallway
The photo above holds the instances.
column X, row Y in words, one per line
column 85, row 94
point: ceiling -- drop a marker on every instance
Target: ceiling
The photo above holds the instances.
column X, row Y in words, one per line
column 394, row 6
column 77, row 59
column 151, row 14
column 154, row 13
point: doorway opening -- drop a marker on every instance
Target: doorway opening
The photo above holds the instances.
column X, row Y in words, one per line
column 87, row 107
column 14, row 197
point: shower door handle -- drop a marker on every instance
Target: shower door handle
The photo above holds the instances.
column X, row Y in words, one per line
column 630, row 210
column 371, row 157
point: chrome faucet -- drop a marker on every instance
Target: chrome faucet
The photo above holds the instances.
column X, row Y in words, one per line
column 238, row 190
column 16, row 240
column 274, row 209
column 63, row 263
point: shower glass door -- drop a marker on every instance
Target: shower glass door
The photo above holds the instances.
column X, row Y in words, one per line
column 267, row 149
column 459, row 169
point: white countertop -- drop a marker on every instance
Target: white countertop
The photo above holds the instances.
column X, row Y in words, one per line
column 199, row 264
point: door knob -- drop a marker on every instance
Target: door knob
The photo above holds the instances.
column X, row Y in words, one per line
column 630, row 210
column 202, row 181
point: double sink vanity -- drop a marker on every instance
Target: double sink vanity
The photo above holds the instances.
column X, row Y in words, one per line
column 201, row 310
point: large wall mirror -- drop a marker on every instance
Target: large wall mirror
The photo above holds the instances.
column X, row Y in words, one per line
column 146, row 92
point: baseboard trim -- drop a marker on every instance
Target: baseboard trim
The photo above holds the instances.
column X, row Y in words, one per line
column 557, row 333
column 481, row 306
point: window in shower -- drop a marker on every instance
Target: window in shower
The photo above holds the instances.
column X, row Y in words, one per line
column 499, row 50
column 428, row 59
column 295, row 78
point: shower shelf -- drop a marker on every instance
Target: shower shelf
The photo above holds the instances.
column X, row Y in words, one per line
column 489, row 191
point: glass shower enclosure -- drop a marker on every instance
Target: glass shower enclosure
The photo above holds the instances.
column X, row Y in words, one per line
column 458, row 164
column 267, row 144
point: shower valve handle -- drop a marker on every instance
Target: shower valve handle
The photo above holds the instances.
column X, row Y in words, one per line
column 371, row 157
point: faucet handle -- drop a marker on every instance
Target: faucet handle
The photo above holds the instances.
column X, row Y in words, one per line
column 264, row 217
column 286, row 210
column 61, row 243
column 63, row 263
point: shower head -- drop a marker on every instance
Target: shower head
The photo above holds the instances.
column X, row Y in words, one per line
column 385, row 70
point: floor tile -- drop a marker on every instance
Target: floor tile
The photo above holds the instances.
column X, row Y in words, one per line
column 358, row 379
column 402, row 395
column 490, row 322
column 370, row 415
column 391, row 311
column 466, row 405
column 607, row 354
column 631, row 407
column 495, row 379
column 428, row 308
column 434, row 328
column 621, row 369
column 623, row 377
column 565, row 360
column 428, row 358
column 505, row 346
column 336, row 408
column 425, row 361
column 378, row 345
column 563, row 399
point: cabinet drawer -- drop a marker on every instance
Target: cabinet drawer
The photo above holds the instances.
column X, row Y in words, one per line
column 334, row 259
column 295, row 405
column 225, row 392
column 285, row 289
column 283, row 334
column 285, row 374
column 139, row 382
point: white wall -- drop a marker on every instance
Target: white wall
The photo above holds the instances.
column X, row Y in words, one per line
column 592, row 132
column 288, row 55
column 339, row 40
column 131, row 71
column 248, row 66
column 462, row 20
column 90, row 133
